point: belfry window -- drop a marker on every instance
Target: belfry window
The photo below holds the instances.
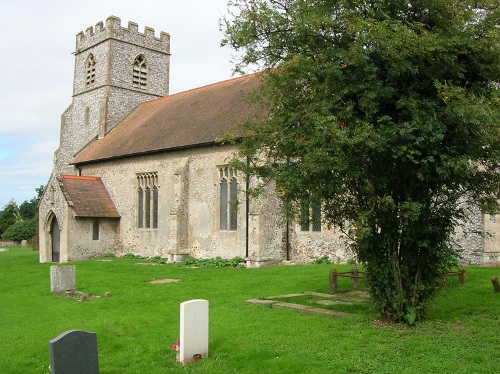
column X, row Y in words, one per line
column 147, row 200
column 140, row 73
column 228, row 199
column 90, row 70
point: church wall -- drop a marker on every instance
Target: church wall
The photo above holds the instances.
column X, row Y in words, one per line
column 188, row 217
column 309, row 245
column 157, row 62
column 120, row 103
column 83, row 246
column 100, row 52
column 77, row 130
column 189, row 212
column 491, row 239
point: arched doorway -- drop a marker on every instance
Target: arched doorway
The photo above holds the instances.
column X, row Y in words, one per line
column 56, row 242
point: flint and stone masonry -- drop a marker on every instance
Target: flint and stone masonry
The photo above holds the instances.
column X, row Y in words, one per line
column 119, row 69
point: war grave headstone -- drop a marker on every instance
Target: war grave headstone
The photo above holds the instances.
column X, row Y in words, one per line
column 193, row 331
column 74, row 352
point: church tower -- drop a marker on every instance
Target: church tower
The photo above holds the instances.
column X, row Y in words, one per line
column 116, row 68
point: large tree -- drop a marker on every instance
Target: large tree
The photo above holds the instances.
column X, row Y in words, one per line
column 9, row 216
column 387, row 112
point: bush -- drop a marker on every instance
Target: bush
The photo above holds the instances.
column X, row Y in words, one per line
column 21, row 230
column 214, row 262
column 322, row 260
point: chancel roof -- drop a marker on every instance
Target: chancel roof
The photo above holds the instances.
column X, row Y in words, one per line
column 192, row 118
column 88, row 196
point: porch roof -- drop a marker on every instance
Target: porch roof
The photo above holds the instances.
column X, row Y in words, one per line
column 87, row 196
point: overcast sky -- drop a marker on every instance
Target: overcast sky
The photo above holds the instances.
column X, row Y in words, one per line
column 37, row 39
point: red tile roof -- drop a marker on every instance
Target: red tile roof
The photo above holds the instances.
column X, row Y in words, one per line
column 88, row 196
column 192, row 118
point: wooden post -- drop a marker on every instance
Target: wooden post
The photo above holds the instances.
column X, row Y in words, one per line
column 496, row 284
column 354, row 279
column 444, row 279
column 333, row 281
column 462, row 277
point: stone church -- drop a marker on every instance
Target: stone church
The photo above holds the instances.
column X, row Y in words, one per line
column 139, row 171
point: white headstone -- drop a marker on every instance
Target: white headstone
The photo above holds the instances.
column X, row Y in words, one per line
column 193, row 330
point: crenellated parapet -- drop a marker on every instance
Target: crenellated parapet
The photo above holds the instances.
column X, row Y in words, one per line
column 113, row 30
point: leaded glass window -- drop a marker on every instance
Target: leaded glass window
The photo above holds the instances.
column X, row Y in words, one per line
column 310, row 214
column 147, row 209
column 140, row 208
column 147, row 200
column 228, row 199
column 155, row 207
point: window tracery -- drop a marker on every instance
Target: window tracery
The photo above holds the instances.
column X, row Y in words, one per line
column 228, row 199
column 140, row 73
column 147, row 200
column 90, row 70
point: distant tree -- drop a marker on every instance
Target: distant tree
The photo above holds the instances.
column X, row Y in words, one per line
column 28, row 209
column 386, row 111
column 9, row 216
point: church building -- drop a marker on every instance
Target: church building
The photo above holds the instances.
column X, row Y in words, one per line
column 140, row 171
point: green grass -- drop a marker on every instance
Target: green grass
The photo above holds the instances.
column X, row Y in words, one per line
column 137, row 325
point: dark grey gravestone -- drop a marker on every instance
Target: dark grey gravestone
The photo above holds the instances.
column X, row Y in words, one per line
column 74, row 352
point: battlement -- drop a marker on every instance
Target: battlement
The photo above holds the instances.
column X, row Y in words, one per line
column 113, row 30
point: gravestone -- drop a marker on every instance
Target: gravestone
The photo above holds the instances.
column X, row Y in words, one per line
column 74, row 352
column 62, row 279
column 193, row 331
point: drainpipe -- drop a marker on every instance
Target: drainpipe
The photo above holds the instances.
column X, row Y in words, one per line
column 287, row 229
column 287, row 240
column 247, row 209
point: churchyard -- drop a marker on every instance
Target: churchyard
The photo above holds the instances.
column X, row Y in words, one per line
column 260, row 320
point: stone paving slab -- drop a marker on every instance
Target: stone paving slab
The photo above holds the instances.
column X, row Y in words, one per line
column 286, row 296
column 261, row 301
column 163, row 281
column 271, row 301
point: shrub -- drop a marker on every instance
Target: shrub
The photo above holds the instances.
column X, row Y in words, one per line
column 322, row 260
column 21, row 230
column 214, row 262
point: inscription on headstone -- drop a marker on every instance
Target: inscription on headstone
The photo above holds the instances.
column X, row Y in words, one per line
column 74, row 352
column 193, row 330
column 62, row 278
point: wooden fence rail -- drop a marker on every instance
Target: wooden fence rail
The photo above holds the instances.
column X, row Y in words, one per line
column 356, row 275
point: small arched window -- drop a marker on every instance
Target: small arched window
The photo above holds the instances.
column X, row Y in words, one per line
column 140, row 73
column 90, row 70
column 86, row 118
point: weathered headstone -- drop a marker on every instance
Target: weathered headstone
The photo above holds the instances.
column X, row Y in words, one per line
column 496, row 284
column 74, row 352
column 62, row 279
column 193, row 331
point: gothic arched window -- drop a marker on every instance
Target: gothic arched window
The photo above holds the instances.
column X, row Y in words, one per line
column 147, row 200
column 90, row 70
column 228, row 199
column 140, row 73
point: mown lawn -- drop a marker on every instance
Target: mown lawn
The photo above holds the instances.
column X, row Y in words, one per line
column 137, row 325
